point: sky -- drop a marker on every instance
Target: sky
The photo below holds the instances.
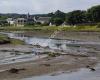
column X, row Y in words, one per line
column 44, row 6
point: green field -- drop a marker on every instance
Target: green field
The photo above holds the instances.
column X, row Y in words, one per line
column 51, row 28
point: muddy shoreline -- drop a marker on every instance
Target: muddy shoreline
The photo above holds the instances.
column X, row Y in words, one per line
column 73, row 35
column 41, row 67
column 44, row 65
column 50, row 64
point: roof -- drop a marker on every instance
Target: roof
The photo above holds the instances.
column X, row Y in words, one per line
column 43, row 18
column 9, row 19
column 21, row 18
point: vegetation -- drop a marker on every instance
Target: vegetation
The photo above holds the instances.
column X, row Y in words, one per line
column 51, row 29
column 98, row 25
column 58, row 21
column 6, row 40
column 53, row 54
column 75, row 20
column 16, row 42
column 93, row 14
column 58, row 18
column 76, row 17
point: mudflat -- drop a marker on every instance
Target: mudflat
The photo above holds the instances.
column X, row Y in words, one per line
column 47, row 65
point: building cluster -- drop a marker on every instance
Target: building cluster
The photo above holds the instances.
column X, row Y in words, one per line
column 28, row 20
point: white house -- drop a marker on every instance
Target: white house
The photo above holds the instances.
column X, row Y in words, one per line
column 10, row 21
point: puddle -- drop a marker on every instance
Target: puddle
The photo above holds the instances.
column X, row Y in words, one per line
column 82, row 74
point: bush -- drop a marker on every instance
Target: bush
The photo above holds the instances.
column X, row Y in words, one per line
column 53, row 54
column 4, row 39
column 58, row 21
column 98, row 25
column 45, row 24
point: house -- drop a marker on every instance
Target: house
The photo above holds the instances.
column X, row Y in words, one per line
column 42, row 20
column 10, row 21
column 20, row 21
column 16, row 22
column 28, row 20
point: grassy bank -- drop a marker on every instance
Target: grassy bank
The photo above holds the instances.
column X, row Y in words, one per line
column 70, row 28
column 16, row 42
column 51, row 28
column 6, row 40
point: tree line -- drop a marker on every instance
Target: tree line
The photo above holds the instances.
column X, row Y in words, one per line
column 89, row 16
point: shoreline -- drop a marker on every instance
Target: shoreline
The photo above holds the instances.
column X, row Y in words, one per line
column 49, row 65
column 44, row 65
column 39, row 67
column 70, row 35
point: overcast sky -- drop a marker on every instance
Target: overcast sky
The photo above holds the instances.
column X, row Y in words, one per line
column 44, row 6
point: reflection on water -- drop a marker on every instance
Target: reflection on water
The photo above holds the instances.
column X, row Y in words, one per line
column 54, row 45
column 66, row 45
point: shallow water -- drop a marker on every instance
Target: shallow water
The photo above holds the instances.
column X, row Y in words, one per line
column 20, row 58
column 52, row 43
column 82, row 74
column 67, row 46
column 72, row 46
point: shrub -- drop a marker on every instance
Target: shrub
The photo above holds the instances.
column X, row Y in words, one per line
column 54, row 54
column 98, row 25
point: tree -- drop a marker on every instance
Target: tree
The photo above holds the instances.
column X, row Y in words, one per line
column 3, row 23
column 58, row 21
column 93, row 14
column 76, row 17
column 58, row 18
column 59, row 14
column 50, row 14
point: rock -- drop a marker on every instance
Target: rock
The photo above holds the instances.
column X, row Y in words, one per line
column 92, row 69
column 14, row 70
column 87, row 66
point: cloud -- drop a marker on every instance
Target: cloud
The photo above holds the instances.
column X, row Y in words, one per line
column 44, row 6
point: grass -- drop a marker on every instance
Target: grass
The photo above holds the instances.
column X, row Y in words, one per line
column 17, row 42
column 53, row 54
column 69, row 28
column 11, row 28
column 51, row 28
column 6, row 40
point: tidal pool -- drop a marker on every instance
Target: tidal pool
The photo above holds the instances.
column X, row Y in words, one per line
column 82, row 74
